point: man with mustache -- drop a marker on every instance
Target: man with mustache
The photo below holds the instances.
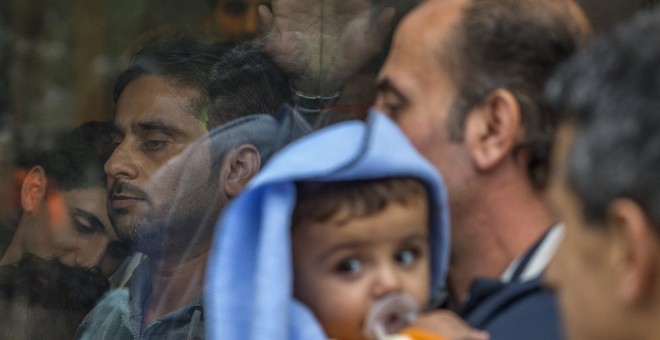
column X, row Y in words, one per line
column 464, row 80
column 180, row 155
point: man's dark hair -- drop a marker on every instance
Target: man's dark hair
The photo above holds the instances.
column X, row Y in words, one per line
column 51, row 284
column 513, row 45
column 610, row 94
column 340, row 202
column 184, row 62
column 75, row 159
column 246, row 81
column 43, row 298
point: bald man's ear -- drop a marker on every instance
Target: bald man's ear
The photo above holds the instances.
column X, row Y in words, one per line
column 33, row 190
column 493, row 129
column 239, row 166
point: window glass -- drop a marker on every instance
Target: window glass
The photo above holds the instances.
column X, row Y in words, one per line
column 185, row 102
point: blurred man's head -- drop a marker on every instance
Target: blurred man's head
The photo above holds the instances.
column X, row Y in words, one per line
column 604, row 184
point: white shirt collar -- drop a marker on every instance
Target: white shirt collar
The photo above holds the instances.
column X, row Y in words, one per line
column 540, row 259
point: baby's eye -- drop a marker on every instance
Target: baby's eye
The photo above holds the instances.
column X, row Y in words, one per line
column 349, row 266
column 405, row 257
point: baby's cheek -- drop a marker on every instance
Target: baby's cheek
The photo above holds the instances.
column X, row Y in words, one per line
column 420, row 287
column 342, row 314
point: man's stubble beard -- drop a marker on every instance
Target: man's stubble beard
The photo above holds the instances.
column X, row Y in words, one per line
column 175, row 229
column 191, row 219
column 143, row 233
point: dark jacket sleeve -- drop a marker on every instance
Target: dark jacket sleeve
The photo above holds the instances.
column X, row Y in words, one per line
column 516, row 310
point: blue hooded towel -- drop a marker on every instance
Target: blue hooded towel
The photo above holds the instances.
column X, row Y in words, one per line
column 249, row 284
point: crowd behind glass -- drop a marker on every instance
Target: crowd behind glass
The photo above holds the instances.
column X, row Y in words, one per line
column 329, row 169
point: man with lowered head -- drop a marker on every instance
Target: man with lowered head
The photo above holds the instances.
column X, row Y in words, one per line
column 179, row 157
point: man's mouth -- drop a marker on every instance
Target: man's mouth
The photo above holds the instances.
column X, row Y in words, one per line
column 123, row 195
column 123, row 201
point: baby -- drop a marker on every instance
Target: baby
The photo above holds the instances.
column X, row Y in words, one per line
column 338, row 222
column 356, row 242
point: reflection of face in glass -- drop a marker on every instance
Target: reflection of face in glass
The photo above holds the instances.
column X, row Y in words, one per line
column 78, row 231
column 185, row 194
column 237, row 19
column 340, row 271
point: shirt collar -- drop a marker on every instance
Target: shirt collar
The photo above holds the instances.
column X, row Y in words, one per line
column 525, row 267
column 532, row 263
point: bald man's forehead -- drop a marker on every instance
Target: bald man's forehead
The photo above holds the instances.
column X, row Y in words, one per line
column 432, row 10
column 430, row 23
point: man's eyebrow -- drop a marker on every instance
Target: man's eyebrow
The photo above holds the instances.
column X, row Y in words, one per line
column 91, row 218
column 159, row 126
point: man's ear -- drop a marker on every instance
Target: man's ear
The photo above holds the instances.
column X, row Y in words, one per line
column 638, row 250
column 493, row 128
column 33, row 190
column 240, row 165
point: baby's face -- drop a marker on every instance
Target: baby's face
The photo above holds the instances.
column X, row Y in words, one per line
column 341, row 270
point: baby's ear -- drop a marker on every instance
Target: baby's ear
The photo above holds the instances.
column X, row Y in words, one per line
column 239, row 166
column 33, row 190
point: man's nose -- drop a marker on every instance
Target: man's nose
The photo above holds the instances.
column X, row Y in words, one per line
column 387, row 280
column 121, row 164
